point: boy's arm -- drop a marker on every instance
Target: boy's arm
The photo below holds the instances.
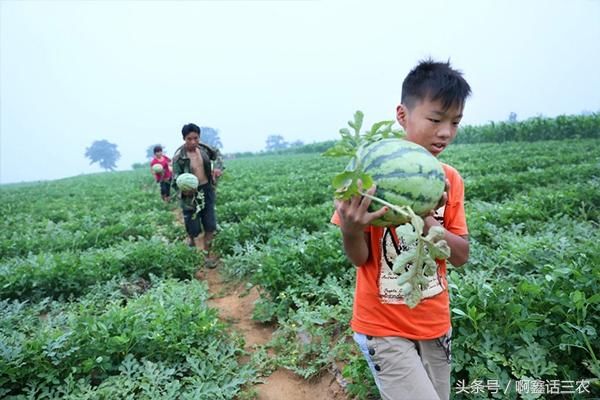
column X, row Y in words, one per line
column 356, row 247
column 354, row 217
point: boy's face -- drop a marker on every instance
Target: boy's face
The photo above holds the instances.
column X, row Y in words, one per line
column 191, row 141
column 429, row 125
column 158, row 154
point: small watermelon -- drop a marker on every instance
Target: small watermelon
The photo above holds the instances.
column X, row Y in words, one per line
column 187, row 182
column 405, row 173
column 157, row 168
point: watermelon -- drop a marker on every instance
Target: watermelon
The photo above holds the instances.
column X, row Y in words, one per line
column 187, row 181
column 157, row 168
column 406, row 174
column 410, row 183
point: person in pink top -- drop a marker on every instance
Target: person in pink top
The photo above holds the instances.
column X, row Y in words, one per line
column 164, row 177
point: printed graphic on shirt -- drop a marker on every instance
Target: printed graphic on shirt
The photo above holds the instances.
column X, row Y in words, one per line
column 391, row 247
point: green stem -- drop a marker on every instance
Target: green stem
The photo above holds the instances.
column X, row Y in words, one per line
column 385, row 203
column 589, row 348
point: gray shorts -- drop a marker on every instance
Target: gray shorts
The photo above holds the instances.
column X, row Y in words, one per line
column 408, row 369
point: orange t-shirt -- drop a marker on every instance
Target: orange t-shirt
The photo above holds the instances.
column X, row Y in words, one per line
column 379, row 309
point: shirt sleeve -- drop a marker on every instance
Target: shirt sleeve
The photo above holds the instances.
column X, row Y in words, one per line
column 454, row 215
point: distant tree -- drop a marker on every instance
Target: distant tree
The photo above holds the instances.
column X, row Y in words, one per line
column 210, row 136
column 276, row 142
column 296, row 143
column 150, row 150
column 104, row 153
column 512, row 117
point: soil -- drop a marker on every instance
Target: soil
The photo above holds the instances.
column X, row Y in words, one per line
column 235, row 305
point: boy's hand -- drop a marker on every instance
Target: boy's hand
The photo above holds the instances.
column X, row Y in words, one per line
column 444, row 198
column 354, row 213
column 429, row 219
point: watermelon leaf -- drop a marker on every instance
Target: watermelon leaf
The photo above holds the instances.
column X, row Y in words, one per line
column 343, row 180
column 338, row 151
column 407, row 233
column 357, row 123
column 345, row 133
column 366, row 180
column 350, row 142
column 345, row 185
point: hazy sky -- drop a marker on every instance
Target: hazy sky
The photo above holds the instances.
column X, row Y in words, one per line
column 133, row 72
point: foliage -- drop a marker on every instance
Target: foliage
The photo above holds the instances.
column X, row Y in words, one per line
column 104, row 153
column 316, row 147
column 275, row 142
column 139, row 165
column 211, row 137
column 296, row 144
column 586, row 125
column 533, row 129
column 533, row 210
column 64, row 221
column 533, row 213
column 96, row 299
column 164, row 343
column 69, row 273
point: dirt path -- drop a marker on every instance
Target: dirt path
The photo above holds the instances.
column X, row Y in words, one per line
column 236, row 308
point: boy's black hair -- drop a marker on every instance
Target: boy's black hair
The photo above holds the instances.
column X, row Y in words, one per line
column 189, row 128
column 157, row 148
column 435, row 81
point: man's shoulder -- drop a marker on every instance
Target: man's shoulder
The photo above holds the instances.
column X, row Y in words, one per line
column 210, row 149
column 205, row 145
column 178, row 153
column 212, row 152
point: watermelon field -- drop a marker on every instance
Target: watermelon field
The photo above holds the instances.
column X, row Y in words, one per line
column 98, row 298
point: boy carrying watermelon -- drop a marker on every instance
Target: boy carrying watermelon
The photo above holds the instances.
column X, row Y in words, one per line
column 161, row 168
column 206, row 164
column 408, row 349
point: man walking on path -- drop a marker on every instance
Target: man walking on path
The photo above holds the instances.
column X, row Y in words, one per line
column 206, row 164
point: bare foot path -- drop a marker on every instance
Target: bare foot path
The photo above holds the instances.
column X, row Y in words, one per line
column 235, row 307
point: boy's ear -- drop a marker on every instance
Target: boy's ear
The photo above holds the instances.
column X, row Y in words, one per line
column 401, row 114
